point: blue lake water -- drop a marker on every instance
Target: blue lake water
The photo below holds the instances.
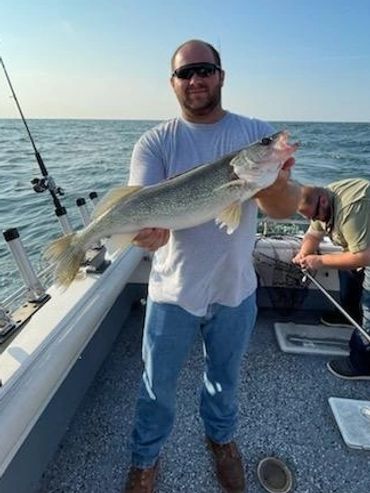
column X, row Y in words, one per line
column 93, row 155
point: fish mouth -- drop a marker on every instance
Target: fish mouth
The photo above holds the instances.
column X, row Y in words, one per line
column 282, row 143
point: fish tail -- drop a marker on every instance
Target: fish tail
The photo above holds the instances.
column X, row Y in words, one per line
column 68, row 255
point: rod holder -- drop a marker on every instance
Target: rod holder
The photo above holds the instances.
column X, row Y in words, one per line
column 81, row 204
column 35, row 290
column 94, row 198
column 61, row 214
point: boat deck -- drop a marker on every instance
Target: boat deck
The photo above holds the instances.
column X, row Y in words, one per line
column 284, row 412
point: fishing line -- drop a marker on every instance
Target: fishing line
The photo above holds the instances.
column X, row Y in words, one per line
column 47, row 182
column 306, row 274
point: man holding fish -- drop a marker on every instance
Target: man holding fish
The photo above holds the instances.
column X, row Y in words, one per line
column 202, row 278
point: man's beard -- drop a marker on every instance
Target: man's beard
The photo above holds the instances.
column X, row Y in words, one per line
column 212, row 102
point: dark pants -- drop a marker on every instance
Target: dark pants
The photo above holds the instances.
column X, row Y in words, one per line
column 350, row 282
column 359, row 345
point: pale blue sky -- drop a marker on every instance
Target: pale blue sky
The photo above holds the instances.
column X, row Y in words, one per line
column 284, row 59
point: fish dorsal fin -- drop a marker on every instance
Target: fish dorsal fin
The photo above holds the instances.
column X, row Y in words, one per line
column 113, row 197
column 230, row 217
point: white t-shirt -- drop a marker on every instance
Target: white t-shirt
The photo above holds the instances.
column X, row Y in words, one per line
column 201, row 265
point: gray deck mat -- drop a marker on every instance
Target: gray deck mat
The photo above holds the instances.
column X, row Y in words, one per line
column 312, row 339
column 284, row 412
column 353, row 419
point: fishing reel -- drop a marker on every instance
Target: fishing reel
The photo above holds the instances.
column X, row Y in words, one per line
column 46, row 183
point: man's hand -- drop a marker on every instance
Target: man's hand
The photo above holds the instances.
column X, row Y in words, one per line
column 343, row 260
column 284, row 173
column 297, row 259
column 311, row 262
column 151, row 238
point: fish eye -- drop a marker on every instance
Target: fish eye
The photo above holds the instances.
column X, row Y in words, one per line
column 266, row 141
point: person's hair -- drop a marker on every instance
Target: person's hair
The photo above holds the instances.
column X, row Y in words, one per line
column 310, row 193
column 215, row 53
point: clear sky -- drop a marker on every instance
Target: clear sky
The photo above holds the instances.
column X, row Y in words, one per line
column 284, row 59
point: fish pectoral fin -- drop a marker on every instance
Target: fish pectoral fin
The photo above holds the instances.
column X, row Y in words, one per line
column 242, row 162
column 230, row 217
column 113, row 197
column 231, row 185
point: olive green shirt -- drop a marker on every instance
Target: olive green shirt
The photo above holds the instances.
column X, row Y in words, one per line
column 350, row 223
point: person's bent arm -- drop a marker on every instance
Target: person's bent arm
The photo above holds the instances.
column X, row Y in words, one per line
column 310, row 244
column 345, row 260
column 147, row 168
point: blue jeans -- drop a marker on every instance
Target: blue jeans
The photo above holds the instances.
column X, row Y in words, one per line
column 169, row 333
column 359, row 346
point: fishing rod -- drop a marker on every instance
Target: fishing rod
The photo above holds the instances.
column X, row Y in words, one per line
column 47, row 182
column 335, row 303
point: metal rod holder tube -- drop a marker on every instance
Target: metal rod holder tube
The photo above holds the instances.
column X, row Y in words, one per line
column 81, row 204
column 61, row 214
column 94, row 198
column 35, row 289
column 84, row 212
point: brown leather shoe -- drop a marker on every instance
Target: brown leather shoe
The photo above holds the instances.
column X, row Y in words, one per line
column 229, row 466
column 141, row 480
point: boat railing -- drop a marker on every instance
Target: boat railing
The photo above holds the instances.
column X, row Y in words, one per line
column 295, row 226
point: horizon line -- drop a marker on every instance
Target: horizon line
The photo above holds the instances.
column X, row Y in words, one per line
column 164, row 119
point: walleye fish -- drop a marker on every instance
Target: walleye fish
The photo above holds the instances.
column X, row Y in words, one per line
column 210, row 191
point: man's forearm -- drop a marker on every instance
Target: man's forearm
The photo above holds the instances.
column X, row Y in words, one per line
column 280, row 200
column 310, row 244
column 346, row 260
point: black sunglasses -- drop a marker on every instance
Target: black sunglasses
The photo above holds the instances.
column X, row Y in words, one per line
column 202, row 70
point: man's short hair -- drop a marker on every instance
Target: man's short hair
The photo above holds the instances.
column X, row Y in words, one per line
column 215, row 53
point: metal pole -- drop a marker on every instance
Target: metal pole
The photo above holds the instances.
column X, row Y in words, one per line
column 335, row 303
column 93, row 197
column 81, row 204
column 61, row 214
column 35, row 289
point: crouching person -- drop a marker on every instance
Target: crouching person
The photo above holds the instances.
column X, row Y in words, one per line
column 342, row 211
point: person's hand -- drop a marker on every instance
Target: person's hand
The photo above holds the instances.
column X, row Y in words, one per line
column 297, row 259
column 288, row 165
column 311, row 262
column 151, row 238
column 280, row 182
column 284, row 173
